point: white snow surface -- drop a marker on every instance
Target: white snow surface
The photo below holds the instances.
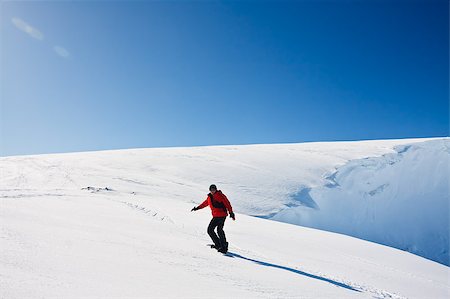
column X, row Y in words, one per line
column 118, row 223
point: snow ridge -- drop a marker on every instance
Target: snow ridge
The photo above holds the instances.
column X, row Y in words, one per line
column 400, row 199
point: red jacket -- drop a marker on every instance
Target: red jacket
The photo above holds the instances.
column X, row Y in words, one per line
column 218, row 203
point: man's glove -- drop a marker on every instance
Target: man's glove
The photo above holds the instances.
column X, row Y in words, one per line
column 232, row 216
column 194, row 209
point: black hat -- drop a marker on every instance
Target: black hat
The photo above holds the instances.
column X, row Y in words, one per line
column 212, row 187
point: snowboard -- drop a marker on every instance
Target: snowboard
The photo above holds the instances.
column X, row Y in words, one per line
column 212, row 246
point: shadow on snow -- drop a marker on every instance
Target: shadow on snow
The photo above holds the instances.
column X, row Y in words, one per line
column 336, row 283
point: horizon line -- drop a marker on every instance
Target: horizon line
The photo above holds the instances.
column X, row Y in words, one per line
column 221, row 145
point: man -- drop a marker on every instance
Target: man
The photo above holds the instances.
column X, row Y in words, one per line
column 220, row 206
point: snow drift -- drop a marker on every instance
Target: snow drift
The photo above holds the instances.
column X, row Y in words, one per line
column 400, row 199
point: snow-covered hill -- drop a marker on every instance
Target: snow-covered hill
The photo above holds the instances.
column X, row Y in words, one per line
column 118, row 223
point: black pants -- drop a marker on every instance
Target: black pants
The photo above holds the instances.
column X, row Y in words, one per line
column 218, row 222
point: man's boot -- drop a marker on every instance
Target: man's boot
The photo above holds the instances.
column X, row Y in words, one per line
column 224, row 248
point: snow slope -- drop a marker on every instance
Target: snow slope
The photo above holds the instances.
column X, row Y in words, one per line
column 64, row 234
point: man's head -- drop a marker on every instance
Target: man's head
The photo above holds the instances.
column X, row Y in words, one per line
column 213, row 188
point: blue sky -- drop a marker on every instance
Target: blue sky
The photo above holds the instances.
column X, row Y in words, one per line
column 92, row 75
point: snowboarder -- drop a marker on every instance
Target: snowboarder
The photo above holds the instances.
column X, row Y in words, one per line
column 220, row 206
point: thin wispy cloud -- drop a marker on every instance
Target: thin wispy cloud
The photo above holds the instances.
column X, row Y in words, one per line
column 61, row 51
column 36, row 34
column 27, row 28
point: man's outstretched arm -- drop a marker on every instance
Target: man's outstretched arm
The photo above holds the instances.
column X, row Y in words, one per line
column 201, row 206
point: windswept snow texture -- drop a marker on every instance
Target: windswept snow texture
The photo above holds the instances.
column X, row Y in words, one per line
column 400, row 199
column 118, row 223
